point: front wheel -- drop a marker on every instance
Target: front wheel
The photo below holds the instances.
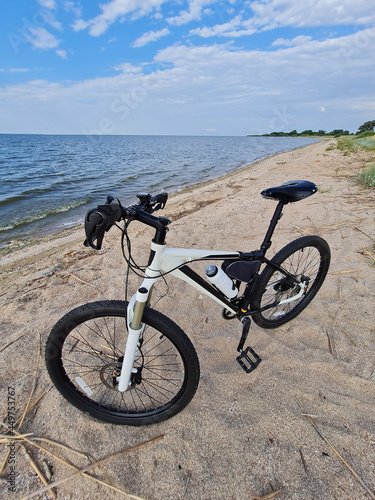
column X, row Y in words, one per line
column 281, row 296
column 84, row 354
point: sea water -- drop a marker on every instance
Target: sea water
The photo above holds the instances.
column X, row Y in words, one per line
column 48, row 182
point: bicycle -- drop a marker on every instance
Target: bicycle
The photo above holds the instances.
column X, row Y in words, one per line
column 126, row 363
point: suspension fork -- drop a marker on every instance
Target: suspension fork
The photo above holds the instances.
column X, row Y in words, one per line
column 135, row 312
column 135, row 330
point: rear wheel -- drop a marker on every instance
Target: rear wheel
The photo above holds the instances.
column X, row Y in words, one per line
column 283, row 295
column 84, row 355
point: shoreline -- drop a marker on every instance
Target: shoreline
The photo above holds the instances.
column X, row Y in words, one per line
column 321, row 364
column 27, row 242
column 243, row 168
column 58, row 217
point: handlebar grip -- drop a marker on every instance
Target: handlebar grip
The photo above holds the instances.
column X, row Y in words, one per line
column 101, row 219
column 98, row 221
column 160, row 198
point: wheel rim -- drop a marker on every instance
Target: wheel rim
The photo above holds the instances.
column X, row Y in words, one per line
column 303, row 264
column 92, row 357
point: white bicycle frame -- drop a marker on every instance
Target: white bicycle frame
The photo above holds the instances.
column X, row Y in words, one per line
column 172, row 261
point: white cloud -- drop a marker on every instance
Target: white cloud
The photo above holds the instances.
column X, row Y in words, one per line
column 114, row 10
column 193, row 14
column 71, row 7
column 48, row 4
column 298, row 40
column 262, row 15
column 321, row 69
column 127, row 68
column 270, row 14
column 40, row 38
column 225, row 29
column 50, row 19
column 79, row 25
column 151, row 36
column 47, row 16
column 62, row 53
column 14, row 70
column 227, row 88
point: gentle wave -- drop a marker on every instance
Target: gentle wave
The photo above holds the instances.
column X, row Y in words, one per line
column 48, row 182
column 43, row 215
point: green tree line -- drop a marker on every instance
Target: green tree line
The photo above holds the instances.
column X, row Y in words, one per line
column 366, row 127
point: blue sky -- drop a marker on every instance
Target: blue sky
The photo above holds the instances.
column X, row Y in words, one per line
column 198, row 67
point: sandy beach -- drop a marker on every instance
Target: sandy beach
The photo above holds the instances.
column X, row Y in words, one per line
column 301, row 426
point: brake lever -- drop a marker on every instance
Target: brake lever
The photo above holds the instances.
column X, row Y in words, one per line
column 160, row 206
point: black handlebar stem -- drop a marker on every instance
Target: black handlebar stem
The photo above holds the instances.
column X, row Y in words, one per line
column 158, row 223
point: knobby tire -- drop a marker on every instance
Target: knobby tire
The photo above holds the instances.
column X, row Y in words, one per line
column 84, row 355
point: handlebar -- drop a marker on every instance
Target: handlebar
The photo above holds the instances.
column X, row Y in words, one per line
column 99, row 220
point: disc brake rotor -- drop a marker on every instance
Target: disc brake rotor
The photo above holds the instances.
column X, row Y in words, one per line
column 109, row 374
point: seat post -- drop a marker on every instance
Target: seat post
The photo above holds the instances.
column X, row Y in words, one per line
column 275, row 219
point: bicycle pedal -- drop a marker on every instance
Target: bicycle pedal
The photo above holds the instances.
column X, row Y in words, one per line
column 248, row 359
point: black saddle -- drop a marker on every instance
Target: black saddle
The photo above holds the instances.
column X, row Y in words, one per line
column 290, row 191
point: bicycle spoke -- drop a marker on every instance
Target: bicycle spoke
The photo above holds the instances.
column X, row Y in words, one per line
column 91, row 353
column 302, row 264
